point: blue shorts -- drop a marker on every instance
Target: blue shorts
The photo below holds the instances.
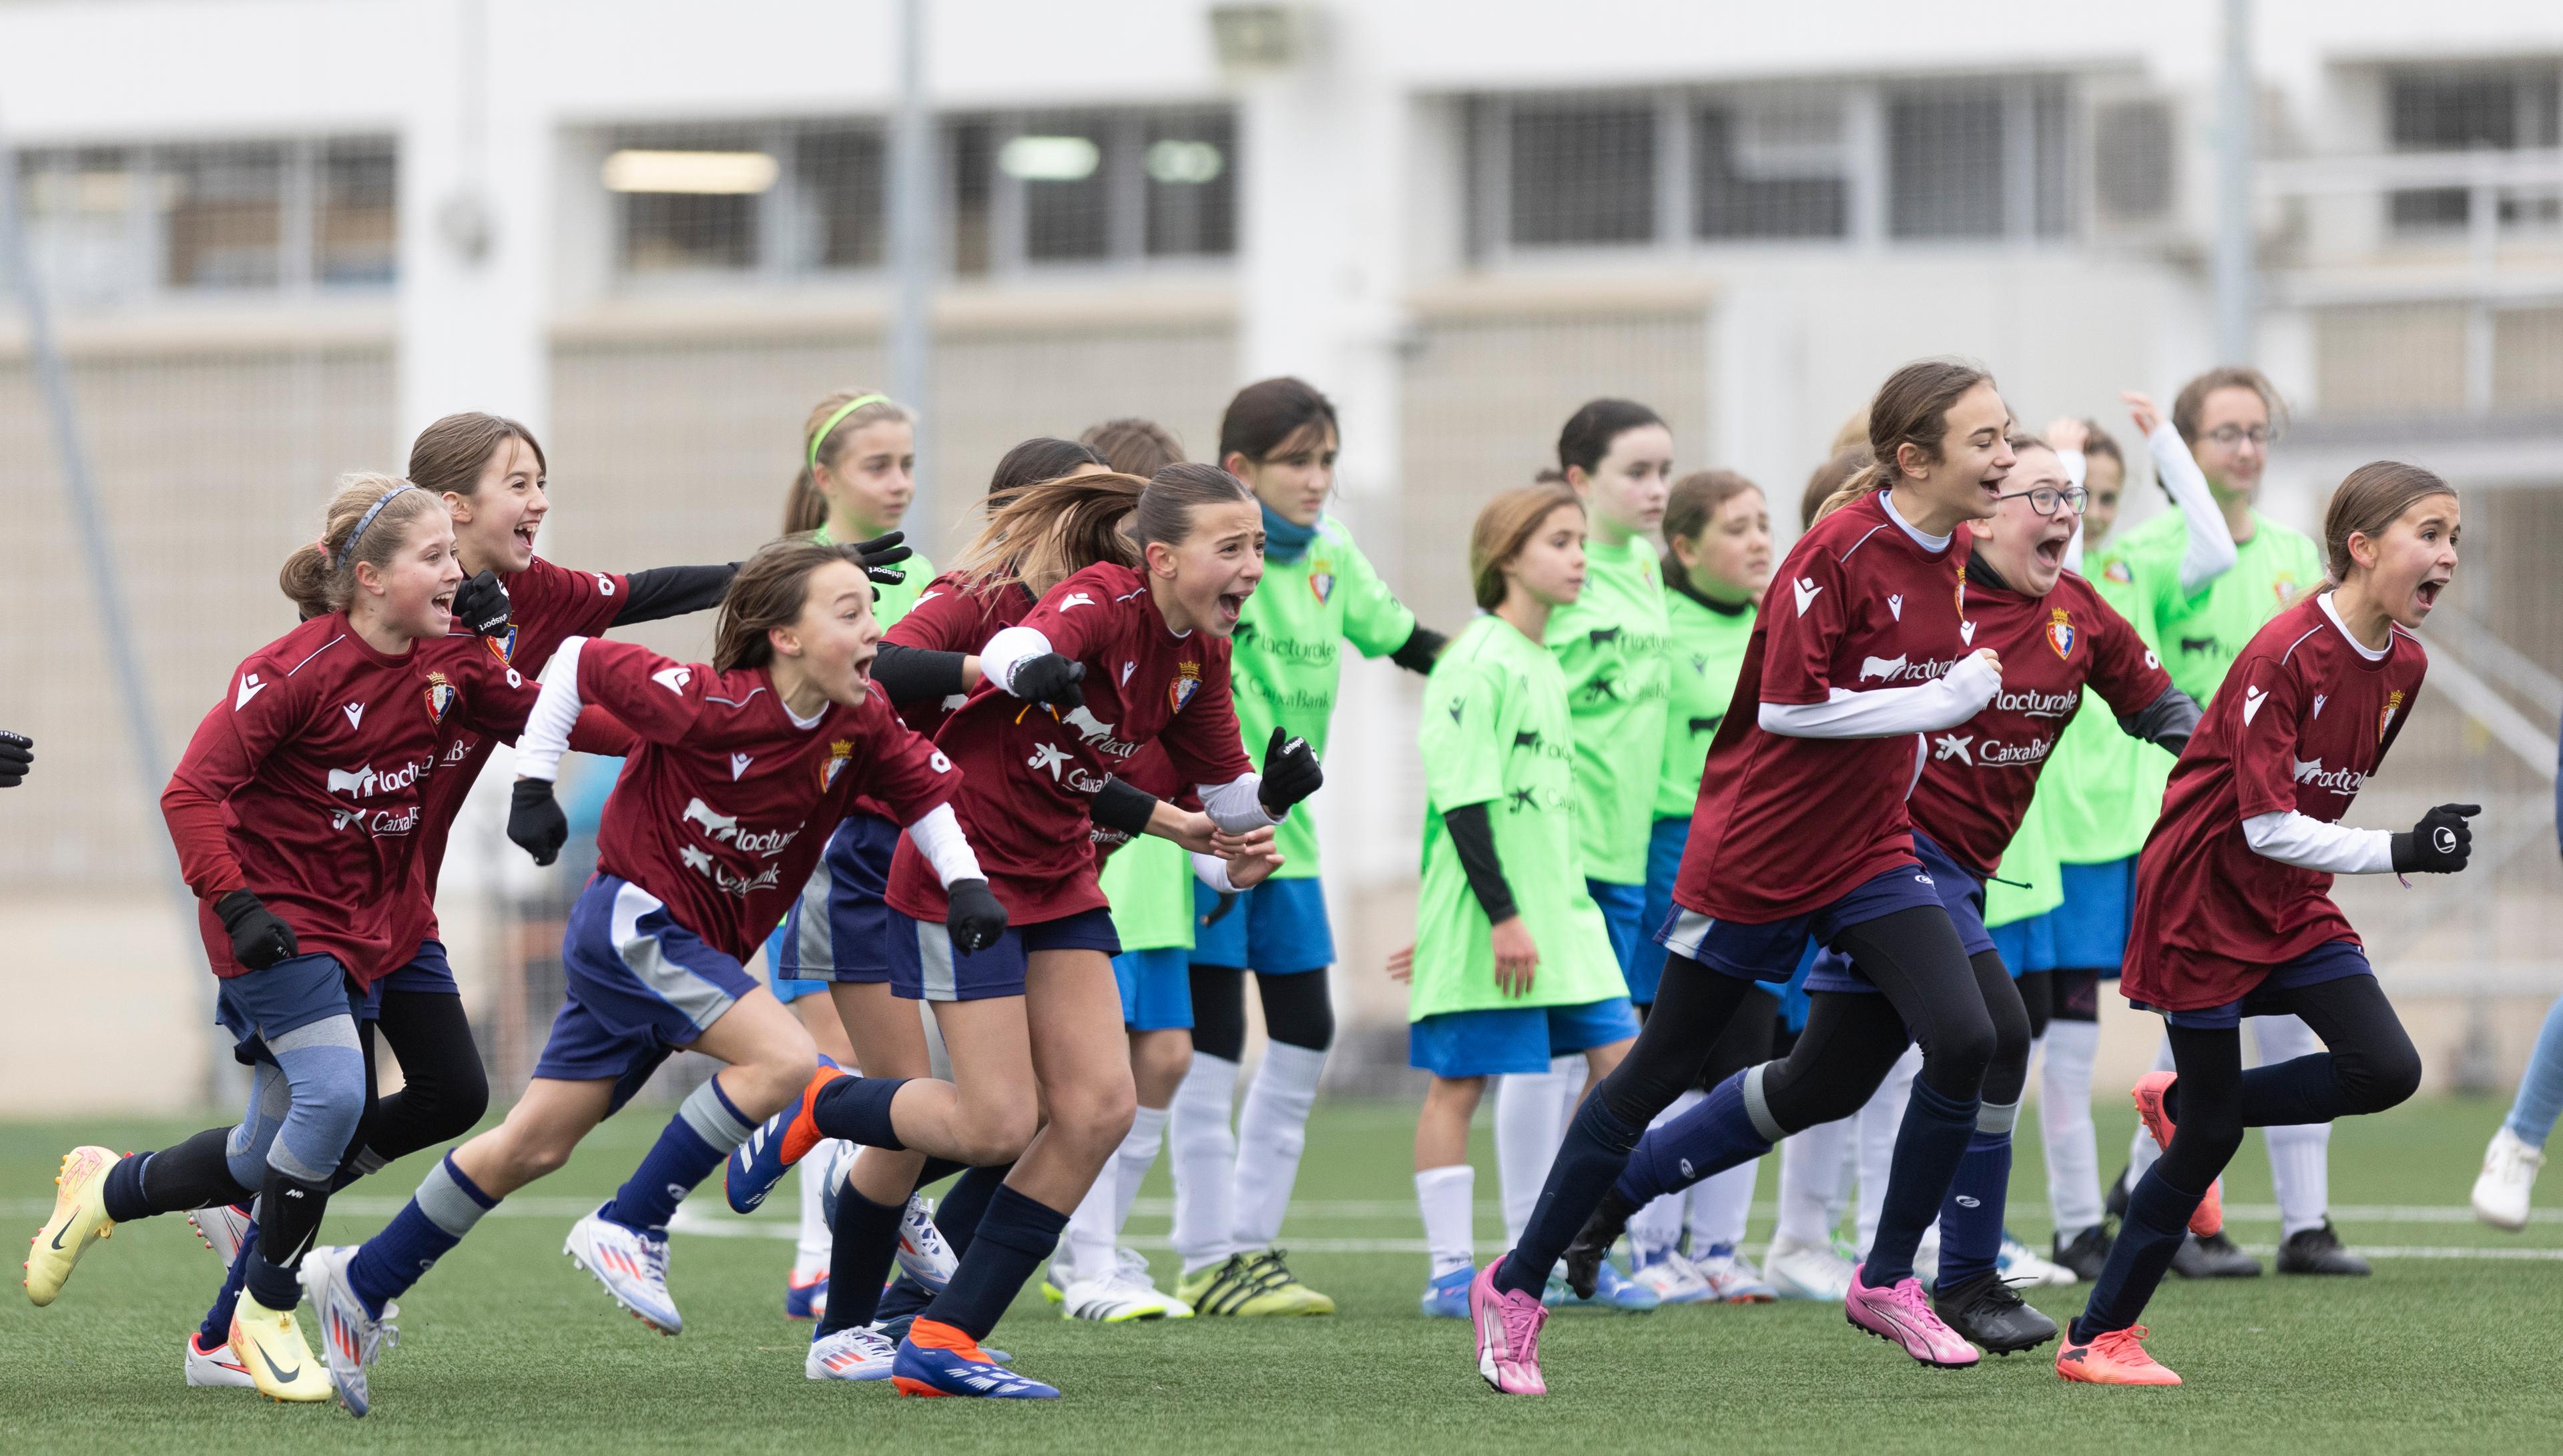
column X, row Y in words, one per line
column 838, row 928
column 640, row 985
column 427, row 970
column 924, row 967
column 1645, row 966
column 1156, row 988
column 1507, row 1039
column 1771, row 951
column 262, row 1005
column 1623, row 910
column 2025, row 945
column 2091, row 925
column 1961, row 893
column 1277, row 927
column 2331, row 961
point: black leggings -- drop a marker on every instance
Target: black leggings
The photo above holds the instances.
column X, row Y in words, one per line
column 1297, row 1011
column 2368, row 1064
column 1974, row 1030
column 2073, row 992
column 444, row 1090
column 2037, row 993
column 1746, row 1041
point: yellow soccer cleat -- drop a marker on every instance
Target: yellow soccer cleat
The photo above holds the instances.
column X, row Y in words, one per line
column 79, row 1215
column 270, row 1345
column 1250, row 1286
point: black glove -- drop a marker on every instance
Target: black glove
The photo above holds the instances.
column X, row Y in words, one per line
column 17, row 751
column 2440, row 844
column 1050, row 680
column 259, row 939
column 880, row 557
column 973, row 916
column 536, row 821
column 482, row 605
column 1290, row 773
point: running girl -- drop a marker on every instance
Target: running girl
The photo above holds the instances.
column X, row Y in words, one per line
column 2233, row 912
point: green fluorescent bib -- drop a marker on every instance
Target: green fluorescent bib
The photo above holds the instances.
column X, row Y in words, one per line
column 1706, row 650
column 1610, row 647
column 2200, row 635
column 2103, row 790
column 1149, row 882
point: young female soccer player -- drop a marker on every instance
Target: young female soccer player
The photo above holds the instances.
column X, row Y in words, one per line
column 2233, row 912
column 1508, row 968
column 743, row 766
column 1802, row 828
column 2054, row 634
column 1280, row 437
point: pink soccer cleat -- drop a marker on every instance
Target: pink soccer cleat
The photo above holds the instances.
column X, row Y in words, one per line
column 2208, row 1221
column 1899, row 1315
column 1507, row 1323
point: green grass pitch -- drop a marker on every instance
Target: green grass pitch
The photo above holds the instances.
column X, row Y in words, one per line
column 508, row 1349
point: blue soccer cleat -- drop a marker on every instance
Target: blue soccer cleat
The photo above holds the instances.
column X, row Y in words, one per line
column 949, row 1362
column 758, row 1164
column 1446, row 1296
column 1612, row 1290
column 805, row 1301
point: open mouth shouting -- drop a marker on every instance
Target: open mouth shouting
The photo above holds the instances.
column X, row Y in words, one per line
column 2425, row 595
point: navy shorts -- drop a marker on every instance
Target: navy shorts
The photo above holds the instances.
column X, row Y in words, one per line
column 640, row 985
column 427, row 970
column 1156, row 988
column 1961, row 893
column 838, row 928
column 1277, row 927
column 1771, row 951
column 261, row 1005
column 924, row 967
column 2331, row 961
column 1514, row 1039
column 2091, row 925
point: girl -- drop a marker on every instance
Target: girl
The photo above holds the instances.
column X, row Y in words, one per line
column 743, row 766
column 1280, row 437
column 2234, row 914
column 1507, row 967
column 1802, row 828
column 2054, row 634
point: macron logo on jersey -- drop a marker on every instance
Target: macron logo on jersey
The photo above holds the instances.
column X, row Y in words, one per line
column 250, row 687
column 355, row 714
column 738, row 763
column 2252, row 697
column 1895, row 606
column 2321, row 699
column 2345, row 782
column 1967, row 633
column 674, row 680
column 1806, row 591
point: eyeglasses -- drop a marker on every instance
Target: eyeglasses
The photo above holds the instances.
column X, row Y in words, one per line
column 2043, row 499
column 2230, row 436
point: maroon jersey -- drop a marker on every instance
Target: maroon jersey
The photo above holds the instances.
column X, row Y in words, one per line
column 949, row 617
column 1028, row 771
column 308, row 787
column 1786, row 826
column 728, row 803
column 2300, row 721
column 1977, row 782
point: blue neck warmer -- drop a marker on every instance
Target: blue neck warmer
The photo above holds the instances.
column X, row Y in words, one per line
column 1283, row 540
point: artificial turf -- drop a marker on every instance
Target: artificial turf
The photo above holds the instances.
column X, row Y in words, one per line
column 508, row 1348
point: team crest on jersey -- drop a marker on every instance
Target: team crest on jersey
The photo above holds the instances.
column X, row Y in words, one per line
column 2059, row 633
column 2385, row 720
column 1187, row 682
column 2118, row 571
column 504, row 645
column 440, row 696
column 2285, row 588
column 838, row 753
column 1322, row 580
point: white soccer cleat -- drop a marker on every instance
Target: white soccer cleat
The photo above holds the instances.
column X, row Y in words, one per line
column 1114, row 1299
column 351, row 1339
column 1133, row 1266
column 1732, row 1279
column 1807, row 1271
column 864, row 1354
column 631, row 1265
column 1673, row 1279
column 216, row 1367
column 923, row 1254
column 2508, row 1176
column 2020, row 1267
column 223, row 1227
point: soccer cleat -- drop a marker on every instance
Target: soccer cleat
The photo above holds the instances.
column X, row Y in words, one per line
column 1446, row 1296
column 1612, row 1290
column 1732, row 1279
column 1899, row 1315
column 851, row 1355
column 1111, row 1300
column 1251, row 1285
column 757, row 1165
column 1507, row 1323
column 2085, row 1253
column 2115, row 1358
column 805, row 1301
column 215, row 1367
column 1806, row 1271
column 1133, row 1268
column 78, row 1216
column 2318, row 1251
column 904, row 1301
column 2208, row 1219
column 924, row 1256
column 1673, row 1279
column 223, row 1228
column 269, row 1344
column 2213, row 1257
column 351, row 1338
column 1591, row 1248
column 631, row 1265
column 1927, row 1257
column 1988, row 1311
column 2508, row 1175
column 2022, row 1268
column 939, row 1360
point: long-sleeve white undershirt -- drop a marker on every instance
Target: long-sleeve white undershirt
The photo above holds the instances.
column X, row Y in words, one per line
column 2211, row 553
column 1883, row 712
column 556, row 708
column 2306, row 843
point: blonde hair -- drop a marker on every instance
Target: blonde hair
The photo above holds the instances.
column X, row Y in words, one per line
column 321, row 578
column 822, row 441
column 1043, row 533
column 1505, row 526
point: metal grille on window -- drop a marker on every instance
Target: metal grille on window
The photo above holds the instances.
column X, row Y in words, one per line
column 840, row 184
column 1770, row 170
column 1192, row 186
column 689, row 202
column 2491, row 110
column 1944, row 165
column 355, row 237
column 1064, row 164
column 226, row 220
column 1582, row 174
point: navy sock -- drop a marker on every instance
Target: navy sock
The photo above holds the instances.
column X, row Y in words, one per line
column 957, row 1217
column 218, row 1320
column 2283, row 1094
column 1928, row 1144
column 425, row 1231
column 122, row 1192
column 2157, row 1219
column 856, row 1109
column 707, row 1126
column 865, row 1240
column 1588, row 1162
column 1714, row 1135
column 1971, row 1222
column 937, row 1169
column 1015, row 1236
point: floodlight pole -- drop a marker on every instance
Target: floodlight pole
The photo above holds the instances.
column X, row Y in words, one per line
column 2236, row 105
column 912, row 224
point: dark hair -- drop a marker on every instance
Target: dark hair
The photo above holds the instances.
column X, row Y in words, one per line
column 1041, row 458
column 1505, row 526
column 2097, row 441
column 1165, row 510
column 2371, row 500
column 1695, row 500
column 321, row 578
column 1269, row 414
column 1133, row 445
column 805, row 509
column 448, row 456
column 1826, row 480
column 1911, row 407
column 2191, row 402
column 1589, row 432
column 768, row 592
column 1043, row 533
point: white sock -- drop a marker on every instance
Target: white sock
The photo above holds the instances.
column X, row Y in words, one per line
column 1811, row 1181
column 1085, row 1248
column 2141, row 1150
column 1132, row 1161
column 1445, row 1196
column 818, row 1242
column 1271, row 1132
column 1879, row 1122
column 1529, row 1128
column 1656, row 1227
column 1205, row 1161
column 1719, row 1206
column 2064, row 1125
column 2301, row 1171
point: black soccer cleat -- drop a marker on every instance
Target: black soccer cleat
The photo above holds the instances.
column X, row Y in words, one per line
column 1992, row 1314
column 1593, row 1242
column 2086, row 1256
column 2213, row 1257
column 2318, row 1251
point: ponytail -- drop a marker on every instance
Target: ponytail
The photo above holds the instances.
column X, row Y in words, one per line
column 1043, row 533
column 367, row 520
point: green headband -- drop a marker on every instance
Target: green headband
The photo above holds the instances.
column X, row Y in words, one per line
column 837, row 418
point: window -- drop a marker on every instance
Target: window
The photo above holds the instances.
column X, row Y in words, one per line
column 1980, row 162
column 841, row 177
column 355, row 238
column 1582, row 174
column 1189, row 159
column 1769, row 171
column 226, row 224
column 690, row 201
column 2131, row 160
column 1065, row 166
column 2453, row 111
